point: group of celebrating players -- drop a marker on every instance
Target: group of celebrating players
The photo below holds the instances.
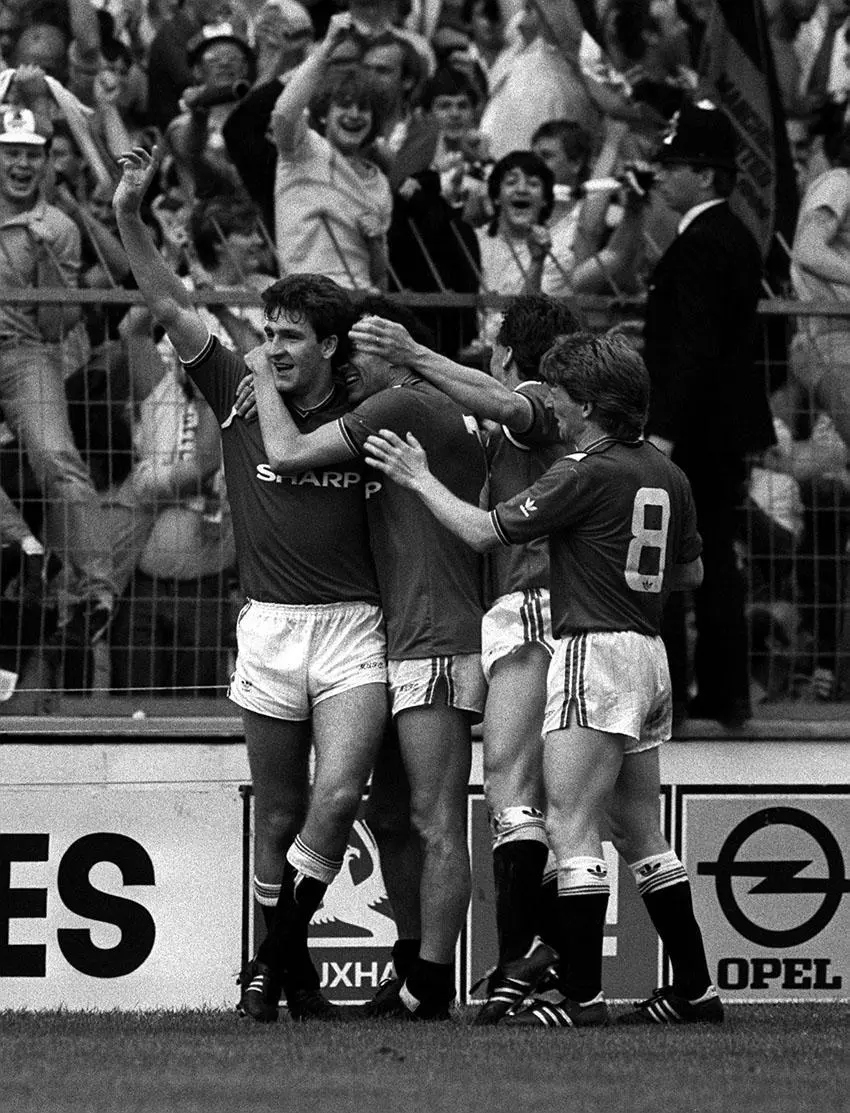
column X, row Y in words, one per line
column 363, row 500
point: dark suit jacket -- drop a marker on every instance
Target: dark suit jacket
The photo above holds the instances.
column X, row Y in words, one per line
column 699, row 340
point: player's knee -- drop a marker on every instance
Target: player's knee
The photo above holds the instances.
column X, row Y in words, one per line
column 337, row 803
column 633, row 829
column 387, row 821
column 566, row 830
column 277, row 824
column 441, row 829
column 519, row 823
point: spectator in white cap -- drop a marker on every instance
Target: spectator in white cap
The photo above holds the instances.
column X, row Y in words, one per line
column 283, row 32
column 223, row 68
column 40, row 246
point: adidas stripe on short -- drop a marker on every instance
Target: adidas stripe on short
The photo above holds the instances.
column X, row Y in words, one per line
column 617, row 682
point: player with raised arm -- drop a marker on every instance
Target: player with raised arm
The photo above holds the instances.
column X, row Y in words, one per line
column 516, row 632
column 311, row 663
column 430, row 588
column 621, row 526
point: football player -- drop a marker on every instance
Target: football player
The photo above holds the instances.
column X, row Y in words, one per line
column 311, row 663
column 430, row 588
column 516, row 635
column 622, row 534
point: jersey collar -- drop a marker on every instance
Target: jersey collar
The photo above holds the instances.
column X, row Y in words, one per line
column 325, row 402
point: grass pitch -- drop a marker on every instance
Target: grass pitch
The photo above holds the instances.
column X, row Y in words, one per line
column 775, row 1059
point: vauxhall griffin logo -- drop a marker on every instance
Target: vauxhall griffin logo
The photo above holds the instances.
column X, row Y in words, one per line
column 355, row 910
column 779, row 877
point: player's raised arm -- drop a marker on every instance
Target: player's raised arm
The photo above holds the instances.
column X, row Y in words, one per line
column 165, row 294
column 406, row 463
column 476, row 391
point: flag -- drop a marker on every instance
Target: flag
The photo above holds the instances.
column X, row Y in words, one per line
column 736, row 70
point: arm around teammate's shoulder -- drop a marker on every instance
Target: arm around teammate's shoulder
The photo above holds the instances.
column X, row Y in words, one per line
column 474, row 390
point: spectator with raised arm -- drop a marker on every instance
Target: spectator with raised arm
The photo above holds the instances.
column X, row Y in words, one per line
column 543, row 82
column 332, row 204
column 283, row 33
column 223, row 70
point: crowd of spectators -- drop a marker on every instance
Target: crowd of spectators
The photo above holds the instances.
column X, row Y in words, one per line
column 430, row 146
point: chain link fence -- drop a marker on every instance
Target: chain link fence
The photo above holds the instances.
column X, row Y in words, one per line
column 121, row 479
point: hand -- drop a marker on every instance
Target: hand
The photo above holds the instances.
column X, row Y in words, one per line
column 638, row 179
column 388, row 339
column 539, row 243
column 370, row 226
column 107, row 89
column 476, row 146
column 29, row 84
column 138, row 169
column 339, row 28
column 404, row 463
column 245, row 402
column 452, row 174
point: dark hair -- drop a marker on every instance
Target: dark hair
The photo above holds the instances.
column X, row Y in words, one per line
column 575, row 142
column 530, row 165
column 326, row 306
column 448, row 82
column 352, row 87
column 606, row 371
column 413, row 66
column 530, row 325
column 631, row 22
column 214, row 220
column 492, row 10
column 113, row 50
column 833, row 123
column 379, row 305
column 62, row 130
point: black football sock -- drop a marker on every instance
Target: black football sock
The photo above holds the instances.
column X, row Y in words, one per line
column 663, row 884
column 432, row 983
column 285, row 949
column 583, row 890
column 517, row 872
column 404, row 953
column 547, row 918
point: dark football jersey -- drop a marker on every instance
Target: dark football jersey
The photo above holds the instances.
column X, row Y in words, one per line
column 516, row 461
column 300, row 538
column 429, row 580
column 617, row 517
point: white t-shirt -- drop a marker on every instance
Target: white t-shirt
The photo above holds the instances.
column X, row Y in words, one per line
column 505, row 264
column 319, row 197
column 830, row 191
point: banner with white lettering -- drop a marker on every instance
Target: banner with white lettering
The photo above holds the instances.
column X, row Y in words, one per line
column 736, row 71
column 120, row 896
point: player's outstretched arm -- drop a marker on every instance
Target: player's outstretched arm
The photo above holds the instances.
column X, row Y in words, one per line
column 165, row 294
column 407, row 464
column 476, row 391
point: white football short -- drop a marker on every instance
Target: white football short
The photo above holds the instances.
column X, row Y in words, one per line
column 617, row 682
column 515, row 620
column 291, row 657
column 453, row 681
